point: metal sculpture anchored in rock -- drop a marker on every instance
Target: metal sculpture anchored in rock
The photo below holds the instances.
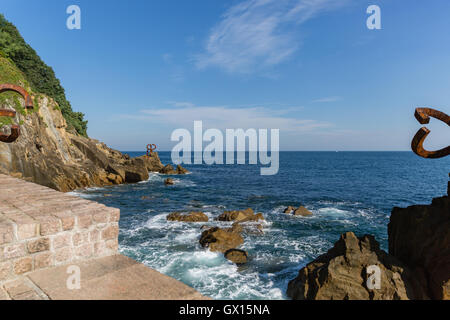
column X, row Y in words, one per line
column 423, row 116
column 15, row 129
column 150, row 148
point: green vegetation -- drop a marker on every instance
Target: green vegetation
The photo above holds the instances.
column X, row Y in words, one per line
column 34, row 75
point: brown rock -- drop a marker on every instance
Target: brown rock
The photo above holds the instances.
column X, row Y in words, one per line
column 236, row 256
column 246, row 215
column 181, row 170
column 341, row 274
column 169, row 182
column 190, row 217
column 419, row 236
column 221, row 240
column 289, row 209
column 302, row 211
column 168, row 169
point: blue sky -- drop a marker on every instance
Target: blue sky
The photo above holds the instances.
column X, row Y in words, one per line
column 311, row 68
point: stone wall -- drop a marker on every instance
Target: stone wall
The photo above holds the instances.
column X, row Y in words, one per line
column 41, row 228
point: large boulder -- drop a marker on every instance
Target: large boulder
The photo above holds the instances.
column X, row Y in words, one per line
column 221, row 240
column 342, row 274
column 246, row 215
column 190, row 217
column 236, row 256
column 420, row 237
column 302, row 211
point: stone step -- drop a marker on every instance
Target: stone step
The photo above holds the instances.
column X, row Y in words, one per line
column 109, row 278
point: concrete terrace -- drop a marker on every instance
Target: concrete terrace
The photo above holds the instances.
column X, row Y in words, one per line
column 43, row 232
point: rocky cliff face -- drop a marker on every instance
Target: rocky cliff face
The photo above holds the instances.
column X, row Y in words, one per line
column 45, row 153
column 417, row 266
column 420, row 237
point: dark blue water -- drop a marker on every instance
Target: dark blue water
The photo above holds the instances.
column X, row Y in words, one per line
column 346, row 191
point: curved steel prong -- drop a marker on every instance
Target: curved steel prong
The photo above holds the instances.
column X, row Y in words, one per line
column 15, row 129
column 150, row 148
column 423, row 116
column 12, row 87
column 15, row 133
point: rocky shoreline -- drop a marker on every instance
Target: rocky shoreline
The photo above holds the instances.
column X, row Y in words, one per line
column 48, row 154
column 417, row 266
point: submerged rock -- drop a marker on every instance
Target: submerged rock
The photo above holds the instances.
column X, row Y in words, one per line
column 419, row 236
column 341, row 274
column 194, row 216
column 289, row 209
column 236, row 256
column 221, row 240
column 169, row 182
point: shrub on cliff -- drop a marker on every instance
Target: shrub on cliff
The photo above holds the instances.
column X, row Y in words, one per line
column 40, row 76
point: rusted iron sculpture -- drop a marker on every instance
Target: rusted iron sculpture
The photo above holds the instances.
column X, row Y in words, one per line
column 15, row 129
column 150, row 148
column 423, row 116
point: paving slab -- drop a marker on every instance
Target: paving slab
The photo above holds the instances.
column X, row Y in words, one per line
column 112, row 278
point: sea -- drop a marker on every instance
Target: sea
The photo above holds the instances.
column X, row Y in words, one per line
column 345, row 191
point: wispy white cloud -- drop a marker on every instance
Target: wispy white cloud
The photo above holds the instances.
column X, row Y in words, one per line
column 327, row 99
column 259, row 33
column 184, row 104
column 222, row 117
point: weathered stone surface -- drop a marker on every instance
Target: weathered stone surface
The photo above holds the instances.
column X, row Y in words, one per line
column 5, row 270
column 302, row 211
column 43, row 260
column 39, row 245
column 190, row 217
column 420, row 237
column 23, row 265
column 341, row 274
column 221, row 240
column 236, row 256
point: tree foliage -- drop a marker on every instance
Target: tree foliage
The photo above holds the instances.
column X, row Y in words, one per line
column 40, row 76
